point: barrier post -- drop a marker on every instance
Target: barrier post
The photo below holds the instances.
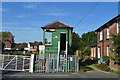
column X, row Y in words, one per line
column 31, row 63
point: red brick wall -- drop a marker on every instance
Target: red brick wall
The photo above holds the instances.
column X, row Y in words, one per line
column 103, row 44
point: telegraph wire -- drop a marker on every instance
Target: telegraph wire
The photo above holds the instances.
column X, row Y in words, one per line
column 87, row 14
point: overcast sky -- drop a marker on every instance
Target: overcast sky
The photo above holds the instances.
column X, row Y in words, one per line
column 25, row 19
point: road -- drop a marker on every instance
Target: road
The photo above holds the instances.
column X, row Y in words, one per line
column 88, row 74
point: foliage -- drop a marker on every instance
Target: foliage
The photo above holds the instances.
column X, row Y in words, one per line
column 28, row 54
column 116, row 47
column 5, row 34
column 81, row 69
column 82, row 43
column 21, row 48
column 88, row 68
column 107, row 59
column 86, row 52
column 88, row 62
column 75, row 42
column 103, row 67
column 37, row 50
column 88, row 39
column 2, row 45
column 113, row 71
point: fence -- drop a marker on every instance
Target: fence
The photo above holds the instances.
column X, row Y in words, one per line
column 14, row 62
column 53, row 63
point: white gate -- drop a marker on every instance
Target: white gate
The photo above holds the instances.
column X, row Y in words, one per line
column 14, row 62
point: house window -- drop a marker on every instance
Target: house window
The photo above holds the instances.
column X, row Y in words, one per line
column 101, row 35
column 48, row 38
column 94, row 52
column 118, row 26
column 108, row 32
column 108, row 50
column 98, row 52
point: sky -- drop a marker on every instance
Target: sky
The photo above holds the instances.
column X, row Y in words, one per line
column 25, row 19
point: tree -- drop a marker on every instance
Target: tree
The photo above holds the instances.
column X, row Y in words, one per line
column 5, row 34
column 2, row 45
column 82, row 43
column 21, row 48
column 116, row 47
column 75, row 42
column 89, row 38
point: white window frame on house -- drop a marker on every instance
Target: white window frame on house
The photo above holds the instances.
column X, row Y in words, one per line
column 118, row 27
column 101, row 35
column 108, row 32
column 99, row 52
column 108, row 50
column 94, row 52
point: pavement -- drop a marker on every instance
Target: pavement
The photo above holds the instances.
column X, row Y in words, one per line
column 89, row 74
column 0, row 75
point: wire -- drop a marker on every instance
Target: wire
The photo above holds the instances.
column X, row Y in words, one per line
column 87, row 14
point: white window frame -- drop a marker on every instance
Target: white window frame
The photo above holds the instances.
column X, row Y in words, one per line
column 108, row 32
column 101, row 35
column 108, row 50
column 118, row 27
column 99, row 52
column 94, row 52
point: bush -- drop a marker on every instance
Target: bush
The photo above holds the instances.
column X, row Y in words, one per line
column 107, row 59
column 87, row 68
column 95, row 61
column 103, row 67
column 28, row 54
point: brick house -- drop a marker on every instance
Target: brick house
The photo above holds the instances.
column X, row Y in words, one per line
column 7, row 40
column 103, row 39
column 93, row 49
column 33, row 46
column 25, row 45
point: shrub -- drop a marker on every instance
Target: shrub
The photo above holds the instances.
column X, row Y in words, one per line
column 107, row 59
column 95, row 61
column 103, row 67
column 28, row 54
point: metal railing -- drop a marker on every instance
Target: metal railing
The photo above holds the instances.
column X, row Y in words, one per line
column 14, row 62
column 52, row 63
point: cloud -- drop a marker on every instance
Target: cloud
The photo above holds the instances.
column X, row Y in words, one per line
column 42, row 9
column 9, row 23
column 20, row 28
column 21, row 16
column 53, row 11
column 55, row 14
column 31, row 6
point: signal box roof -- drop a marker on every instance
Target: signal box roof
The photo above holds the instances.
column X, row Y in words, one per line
column 57, row 25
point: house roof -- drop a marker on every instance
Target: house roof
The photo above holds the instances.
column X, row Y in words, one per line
column 109, row 22
column 57, row 25
column 35, row 43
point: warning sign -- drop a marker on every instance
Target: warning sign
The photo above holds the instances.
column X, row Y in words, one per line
column 41, row 49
